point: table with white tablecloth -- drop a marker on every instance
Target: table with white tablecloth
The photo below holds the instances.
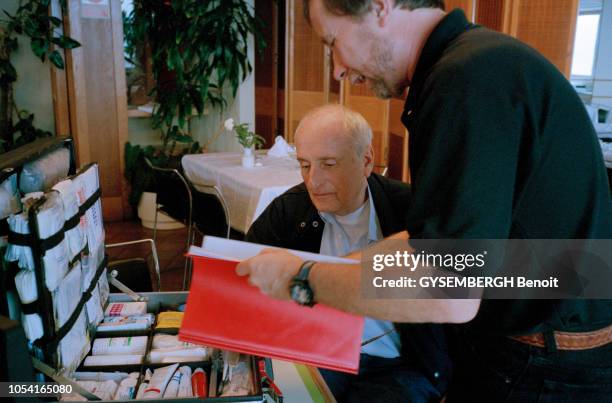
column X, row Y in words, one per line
column 247, row 191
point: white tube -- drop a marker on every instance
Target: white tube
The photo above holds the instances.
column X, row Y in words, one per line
column 141, row 390
column 104, row 360
column 127, row 389
column 130, row 345
column 159, row 381
column 173, row 386
column 189, row 354
column 185, row 389
column 99, row 376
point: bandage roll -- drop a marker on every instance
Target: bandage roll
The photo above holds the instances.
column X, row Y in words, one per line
column 18, row 223
column 25, row 282
column 50, row 221
column 130, row 345
column 170, row 341
column 32, row 326
column 56, row 263
column 75, row 236
column 107, row 360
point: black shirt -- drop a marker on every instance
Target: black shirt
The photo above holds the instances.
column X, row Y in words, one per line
column 501, row 146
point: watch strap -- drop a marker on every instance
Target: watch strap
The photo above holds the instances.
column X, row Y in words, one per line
column 304, row 270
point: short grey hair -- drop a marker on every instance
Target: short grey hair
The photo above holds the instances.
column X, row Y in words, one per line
column 354, row 124
column 357, row 8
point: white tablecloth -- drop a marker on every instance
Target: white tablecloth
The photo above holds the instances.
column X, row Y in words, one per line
column 247, row 191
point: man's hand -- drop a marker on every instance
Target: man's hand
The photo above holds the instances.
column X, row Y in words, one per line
column 271, row 271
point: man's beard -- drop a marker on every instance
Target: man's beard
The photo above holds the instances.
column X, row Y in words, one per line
column 380, row 88
column 382, row 56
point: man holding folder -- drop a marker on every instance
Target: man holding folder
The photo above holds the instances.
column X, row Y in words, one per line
column 340, row 208
column 501, row 147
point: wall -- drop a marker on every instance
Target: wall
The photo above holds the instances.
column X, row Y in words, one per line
column 602, row 73
column 33, row 87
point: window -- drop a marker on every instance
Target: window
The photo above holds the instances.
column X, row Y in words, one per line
column 585, row 44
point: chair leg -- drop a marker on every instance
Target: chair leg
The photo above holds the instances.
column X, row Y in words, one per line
column 186, row 273
column 188, row 263
column 155, row 223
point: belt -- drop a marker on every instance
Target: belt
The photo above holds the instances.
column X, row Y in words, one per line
column 570, row 340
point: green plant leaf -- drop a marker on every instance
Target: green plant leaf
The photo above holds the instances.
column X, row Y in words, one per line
column 67, row 43
column 183, row 138
column 56, row 58
column 55, row 21
column 39, row 46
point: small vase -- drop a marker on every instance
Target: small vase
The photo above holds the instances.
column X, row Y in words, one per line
column 248, row 158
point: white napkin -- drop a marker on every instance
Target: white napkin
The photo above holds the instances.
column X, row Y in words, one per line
column 280, row 148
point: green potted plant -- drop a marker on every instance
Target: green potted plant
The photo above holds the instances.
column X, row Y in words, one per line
column 198, row 56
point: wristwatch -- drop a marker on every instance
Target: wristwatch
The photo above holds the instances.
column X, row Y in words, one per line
column 300, row 289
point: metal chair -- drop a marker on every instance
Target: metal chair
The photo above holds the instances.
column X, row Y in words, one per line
column 195, row 192
column 129, row 271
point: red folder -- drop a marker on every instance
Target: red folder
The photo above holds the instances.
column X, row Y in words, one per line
column 224, row 311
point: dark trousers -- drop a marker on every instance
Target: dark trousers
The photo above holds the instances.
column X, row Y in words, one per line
column 381, row 380
column 499, row 369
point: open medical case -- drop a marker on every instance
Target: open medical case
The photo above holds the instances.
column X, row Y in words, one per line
column 55, row 282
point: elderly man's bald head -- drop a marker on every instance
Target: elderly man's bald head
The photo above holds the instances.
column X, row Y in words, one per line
column 335, row 154
column 337, row 120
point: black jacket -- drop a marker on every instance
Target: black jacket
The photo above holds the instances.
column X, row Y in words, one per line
column 292, row 221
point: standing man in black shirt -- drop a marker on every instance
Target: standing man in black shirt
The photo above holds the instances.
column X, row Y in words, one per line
column 501, row 147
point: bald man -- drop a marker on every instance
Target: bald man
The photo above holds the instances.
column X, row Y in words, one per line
column 342, row 207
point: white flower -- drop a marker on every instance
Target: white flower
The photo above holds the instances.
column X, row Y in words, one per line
column 229, row 124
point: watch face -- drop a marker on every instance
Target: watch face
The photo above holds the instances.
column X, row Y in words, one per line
column 300, row 294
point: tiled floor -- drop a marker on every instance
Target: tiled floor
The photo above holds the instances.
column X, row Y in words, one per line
column 170, row 244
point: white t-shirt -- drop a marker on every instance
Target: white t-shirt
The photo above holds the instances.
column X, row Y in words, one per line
column 345, row 234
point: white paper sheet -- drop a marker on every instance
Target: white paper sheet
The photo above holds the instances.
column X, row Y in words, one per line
column 237, row 251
